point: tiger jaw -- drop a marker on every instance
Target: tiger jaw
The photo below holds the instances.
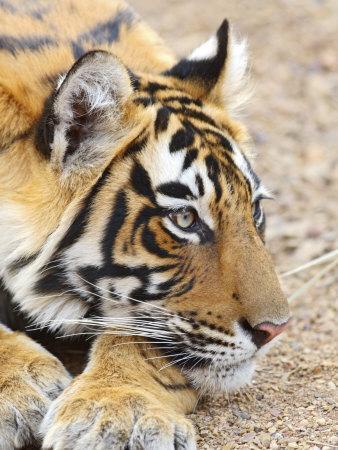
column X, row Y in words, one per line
column 220, row 378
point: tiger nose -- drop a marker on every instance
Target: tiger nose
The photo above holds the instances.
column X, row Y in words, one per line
column 264, row 332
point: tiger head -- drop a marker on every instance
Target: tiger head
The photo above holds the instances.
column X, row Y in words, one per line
column 164, row 236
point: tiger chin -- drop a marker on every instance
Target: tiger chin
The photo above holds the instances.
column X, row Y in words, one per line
column 130, row 211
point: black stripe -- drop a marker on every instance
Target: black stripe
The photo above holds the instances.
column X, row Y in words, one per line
column 214, row 174
column 81, row 219
column 186, row 288
column 53, row 281
column 150, row 244
column 189, row 158
column 135, row 146
column 172, row 386
column 117, row 218
column 22, row 262
column 153, row 87
column 33, row 43
column 162, row 120
column 176, row 190
column 200, row 185
column 109, row 31
column 144, row 101
column 193, row 114
column 143, row 217
column 182, row 99
column 173, row 236
column 182, row 139
column 141, row 182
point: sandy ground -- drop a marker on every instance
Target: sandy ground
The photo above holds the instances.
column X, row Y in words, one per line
column 293, row 119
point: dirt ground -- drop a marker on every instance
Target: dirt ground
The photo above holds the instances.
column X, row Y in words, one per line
column 293, row 118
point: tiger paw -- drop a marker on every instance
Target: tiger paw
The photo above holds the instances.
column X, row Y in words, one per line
column 30, row 378
column 106, row 418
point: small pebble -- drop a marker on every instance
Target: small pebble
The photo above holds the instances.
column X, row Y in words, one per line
column 321, row 421
column 292, row 445
column 334, row 440
column 248, row 437
column 277, row 436
column 265, row 439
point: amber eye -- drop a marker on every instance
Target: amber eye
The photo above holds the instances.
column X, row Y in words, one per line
column 185, row 219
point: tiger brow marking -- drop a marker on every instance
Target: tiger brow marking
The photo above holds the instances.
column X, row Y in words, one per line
column 182, row 99
column 183, row 138
column 176, row 190
column 189, row 158
column 194, row 114
column 141, row 182
column 162, row 120
column 200, row 185
column 213, row 174
column 153, row 87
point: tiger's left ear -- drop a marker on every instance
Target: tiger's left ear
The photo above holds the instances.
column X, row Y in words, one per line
column 216, row 71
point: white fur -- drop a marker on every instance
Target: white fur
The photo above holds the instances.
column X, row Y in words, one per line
column 205, row 51
column 229, row 370
column 236, row 91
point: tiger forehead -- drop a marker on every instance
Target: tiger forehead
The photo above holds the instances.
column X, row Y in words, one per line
column 163, row 92
column 183, row 122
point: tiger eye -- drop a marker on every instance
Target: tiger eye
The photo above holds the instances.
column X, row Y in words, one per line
column 184, row 219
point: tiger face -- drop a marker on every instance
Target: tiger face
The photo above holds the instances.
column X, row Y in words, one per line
column 164, row 238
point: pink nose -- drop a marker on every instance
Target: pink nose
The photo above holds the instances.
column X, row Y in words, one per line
column 266, row 331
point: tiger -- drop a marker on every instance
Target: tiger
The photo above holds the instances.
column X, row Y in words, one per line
column 130, row 211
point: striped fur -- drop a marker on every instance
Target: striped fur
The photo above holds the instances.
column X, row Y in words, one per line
column 105, row 140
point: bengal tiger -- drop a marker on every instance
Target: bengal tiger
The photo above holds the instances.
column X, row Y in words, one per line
column 128, row 209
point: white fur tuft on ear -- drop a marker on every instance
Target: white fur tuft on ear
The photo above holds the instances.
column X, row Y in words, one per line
column 216, row 71
column 207, row 50
column 236, row 89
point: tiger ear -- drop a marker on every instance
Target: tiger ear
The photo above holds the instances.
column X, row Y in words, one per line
column 216, row 71
column 84, row 120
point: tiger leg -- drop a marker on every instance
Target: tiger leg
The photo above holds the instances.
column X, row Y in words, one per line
column 30, row 378
column 123, row 400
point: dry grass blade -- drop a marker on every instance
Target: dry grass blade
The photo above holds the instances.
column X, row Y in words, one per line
column 313, row 280
column 314, row 262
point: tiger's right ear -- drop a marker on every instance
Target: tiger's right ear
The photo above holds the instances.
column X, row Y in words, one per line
column 216, row 71
column 86, row 117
